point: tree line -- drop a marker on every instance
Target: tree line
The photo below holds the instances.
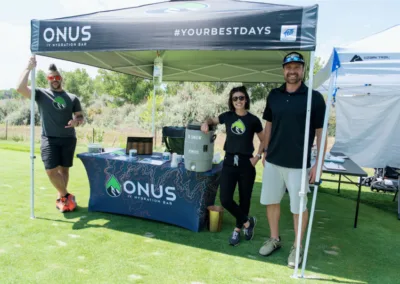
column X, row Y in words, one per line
column 124, row 88
column 113, row 99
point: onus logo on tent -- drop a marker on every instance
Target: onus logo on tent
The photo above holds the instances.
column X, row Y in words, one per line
column 62, row 35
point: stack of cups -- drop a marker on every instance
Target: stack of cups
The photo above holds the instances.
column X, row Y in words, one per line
column 133, row 154
column 174, row 160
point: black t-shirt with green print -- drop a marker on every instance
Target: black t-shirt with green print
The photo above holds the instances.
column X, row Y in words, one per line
column 56, row 109
column 240, row 132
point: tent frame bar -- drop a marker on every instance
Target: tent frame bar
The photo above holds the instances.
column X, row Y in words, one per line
column 304, row 176
column 321, row 158
column 32, row 153
column 181, row 71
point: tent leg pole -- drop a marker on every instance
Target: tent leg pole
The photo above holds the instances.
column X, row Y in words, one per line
column 153, row 130
column 303, row 190
column 32, row 156
column 319, row 169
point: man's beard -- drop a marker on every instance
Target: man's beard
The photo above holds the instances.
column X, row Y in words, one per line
column 55, row 88
column 294, row 80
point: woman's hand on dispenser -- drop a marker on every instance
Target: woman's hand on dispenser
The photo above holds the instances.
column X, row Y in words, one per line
column 204, row 127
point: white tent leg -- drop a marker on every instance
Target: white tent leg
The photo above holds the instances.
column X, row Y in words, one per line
column 157, row 80
column 33, row 93
column 303, row 190
column 332, row 83
column 153, row 129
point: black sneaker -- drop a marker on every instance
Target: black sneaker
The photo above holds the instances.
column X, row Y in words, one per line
column 249, row 232
column 235, row 238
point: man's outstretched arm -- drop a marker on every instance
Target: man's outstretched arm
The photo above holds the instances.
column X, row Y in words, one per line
column 22, row 86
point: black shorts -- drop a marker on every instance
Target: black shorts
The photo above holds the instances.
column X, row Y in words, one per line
column 57, row 151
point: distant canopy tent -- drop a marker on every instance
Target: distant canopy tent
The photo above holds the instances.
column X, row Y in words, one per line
column 367, row 99
column 218, row 40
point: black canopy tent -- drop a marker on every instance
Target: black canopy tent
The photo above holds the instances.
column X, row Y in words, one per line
column 209, row 40
column 194, row 38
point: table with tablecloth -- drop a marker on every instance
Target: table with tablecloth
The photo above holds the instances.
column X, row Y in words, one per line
column 148, row 189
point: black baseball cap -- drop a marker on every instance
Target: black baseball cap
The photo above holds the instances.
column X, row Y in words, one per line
column 293, row 57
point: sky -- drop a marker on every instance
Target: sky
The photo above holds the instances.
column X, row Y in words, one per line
column 340, row 22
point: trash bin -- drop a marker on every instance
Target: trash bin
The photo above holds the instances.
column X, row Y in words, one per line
column 216, row 214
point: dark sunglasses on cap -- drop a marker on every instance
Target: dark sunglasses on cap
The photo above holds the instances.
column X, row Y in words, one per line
column 240, row 98
column 293, row 58
column 52, row 78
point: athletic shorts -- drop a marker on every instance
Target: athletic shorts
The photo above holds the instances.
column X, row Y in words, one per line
column 276, row 180
column 57, row 151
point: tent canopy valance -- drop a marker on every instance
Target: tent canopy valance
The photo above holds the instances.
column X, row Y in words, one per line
column 192, row 37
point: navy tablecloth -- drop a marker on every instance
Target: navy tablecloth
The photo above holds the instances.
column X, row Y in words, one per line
column 121, row 185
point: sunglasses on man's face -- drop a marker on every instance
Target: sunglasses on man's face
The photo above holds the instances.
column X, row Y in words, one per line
column 240, row 98
column 52, row 78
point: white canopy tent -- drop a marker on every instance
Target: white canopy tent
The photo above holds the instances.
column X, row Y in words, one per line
column 368, row 98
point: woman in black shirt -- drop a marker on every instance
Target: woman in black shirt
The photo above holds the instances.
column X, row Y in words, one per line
column 239, row 163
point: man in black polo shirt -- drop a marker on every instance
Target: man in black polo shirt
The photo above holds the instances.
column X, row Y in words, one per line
column 285, row 116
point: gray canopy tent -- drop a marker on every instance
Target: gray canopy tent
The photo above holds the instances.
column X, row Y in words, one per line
column 218, row 40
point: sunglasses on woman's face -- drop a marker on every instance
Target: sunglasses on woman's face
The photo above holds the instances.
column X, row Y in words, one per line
column 52, row 78
column 240, row 98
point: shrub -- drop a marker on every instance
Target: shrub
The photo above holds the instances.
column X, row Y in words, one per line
column 17, row 138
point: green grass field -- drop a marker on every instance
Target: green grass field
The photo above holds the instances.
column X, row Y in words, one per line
column 91, row 247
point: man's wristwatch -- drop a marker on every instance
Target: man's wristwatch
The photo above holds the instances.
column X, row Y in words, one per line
column 259, row 156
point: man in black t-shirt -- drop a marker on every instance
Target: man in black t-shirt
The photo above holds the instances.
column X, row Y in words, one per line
column 60, row 112
column 285, row 116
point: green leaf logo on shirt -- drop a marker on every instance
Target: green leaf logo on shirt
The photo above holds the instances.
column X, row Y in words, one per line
column 238, row 127
column 59, row 103
column 113, row 187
